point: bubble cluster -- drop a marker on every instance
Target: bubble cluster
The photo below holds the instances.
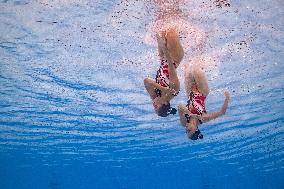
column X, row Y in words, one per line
column 222, row 3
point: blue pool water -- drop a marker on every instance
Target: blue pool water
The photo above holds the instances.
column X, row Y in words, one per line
column 74, row 112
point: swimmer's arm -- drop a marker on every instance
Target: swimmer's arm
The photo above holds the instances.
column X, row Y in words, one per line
column 210, row 116
column 150, row 86
column 182, row 110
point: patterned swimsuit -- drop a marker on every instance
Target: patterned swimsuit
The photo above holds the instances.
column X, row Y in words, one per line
column 196, row 103
column 163, row 76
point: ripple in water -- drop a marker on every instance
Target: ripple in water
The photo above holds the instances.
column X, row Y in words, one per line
column 73, row 104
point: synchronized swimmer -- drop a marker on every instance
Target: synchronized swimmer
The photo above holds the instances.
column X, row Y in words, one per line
column 194, row 113
column 166, row 86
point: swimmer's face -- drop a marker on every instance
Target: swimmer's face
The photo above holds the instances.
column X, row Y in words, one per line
column 191, row 127
column 157, row 104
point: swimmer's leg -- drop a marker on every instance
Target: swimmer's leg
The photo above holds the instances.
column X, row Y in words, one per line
column 160, row 50
column 161, row 43
column 188, row 80
column 174, row 81
column 200, row 80
column 174, row 46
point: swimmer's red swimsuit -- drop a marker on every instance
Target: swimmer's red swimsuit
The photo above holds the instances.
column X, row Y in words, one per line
column 163, row 76
column 196, row 102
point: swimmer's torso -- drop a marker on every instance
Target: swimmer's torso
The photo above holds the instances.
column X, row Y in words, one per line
column 163, row 76
column 196, row 102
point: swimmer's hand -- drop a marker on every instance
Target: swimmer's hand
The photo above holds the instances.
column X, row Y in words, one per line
column 227, row 95
column 226, row 101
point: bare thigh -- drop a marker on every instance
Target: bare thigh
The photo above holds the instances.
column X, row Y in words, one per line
column 188, row 80
column 201, row 81
column 174, row 46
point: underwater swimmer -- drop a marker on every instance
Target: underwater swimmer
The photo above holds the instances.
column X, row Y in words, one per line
column 166, row 85
column 193, row 114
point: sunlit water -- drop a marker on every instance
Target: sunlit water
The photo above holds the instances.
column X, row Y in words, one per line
column 75, row 114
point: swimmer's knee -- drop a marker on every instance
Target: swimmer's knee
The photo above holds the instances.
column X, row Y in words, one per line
column 146, row 81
